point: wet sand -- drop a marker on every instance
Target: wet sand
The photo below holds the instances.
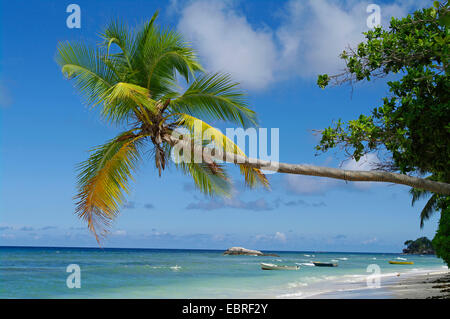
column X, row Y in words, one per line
column 428, row 285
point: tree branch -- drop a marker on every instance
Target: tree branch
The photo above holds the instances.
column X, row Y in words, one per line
column 312, row 170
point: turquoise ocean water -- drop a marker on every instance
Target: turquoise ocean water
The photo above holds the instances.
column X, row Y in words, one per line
column 35, row 272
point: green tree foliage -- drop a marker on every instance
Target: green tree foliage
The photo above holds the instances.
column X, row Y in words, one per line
column 413, row 122
column 421, row 245
column 441, row 241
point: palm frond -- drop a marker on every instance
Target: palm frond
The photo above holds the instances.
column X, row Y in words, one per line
column 430, row 207
column 162, row 55
column 202, row 131
column 210, row 178
column 253, row 176
column 86, row 67
column 125, row 98
column 417, row 194
column 216, row 97
column 119, row 34
column 432, row 204
column 144, row 31
column 103, row 181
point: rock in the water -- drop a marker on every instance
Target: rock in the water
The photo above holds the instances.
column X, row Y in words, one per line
column 245, row 251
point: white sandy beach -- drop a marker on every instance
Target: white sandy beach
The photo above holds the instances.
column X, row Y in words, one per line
column 417, row 285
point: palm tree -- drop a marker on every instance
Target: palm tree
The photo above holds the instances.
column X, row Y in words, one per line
column 432, row 204
column 430, row 207
column 132, row 76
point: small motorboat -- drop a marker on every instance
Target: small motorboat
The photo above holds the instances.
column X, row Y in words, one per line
column 321, row 264
column 393, row 262
column 265, row 266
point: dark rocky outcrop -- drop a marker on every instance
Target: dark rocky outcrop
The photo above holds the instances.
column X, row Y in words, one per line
column 420, row 246
column 247, row 252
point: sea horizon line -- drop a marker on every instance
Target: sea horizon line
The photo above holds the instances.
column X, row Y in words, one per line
column 195, row 249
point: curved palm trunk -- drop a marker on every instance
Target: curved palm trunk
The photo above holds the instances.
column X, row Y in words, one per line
column 312, row 170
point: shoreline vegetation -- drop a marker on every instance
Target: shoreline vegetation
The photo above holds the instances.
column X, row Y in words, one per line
column 420, row 246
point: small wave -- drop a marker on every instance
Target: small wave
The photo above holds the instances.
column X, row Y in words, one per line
column 295, row 294
column 307, row 255
column 334, row 260
column 400, row 258
column 297, row 284
column 176, row 267
column 279, row 259
column 305, row 264
column 329, row 277
column 343, row 258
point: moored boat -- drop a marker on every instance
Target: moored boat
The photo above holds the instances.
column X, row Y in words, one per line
column 265, row 266
column 393, row 262
column 321, row 264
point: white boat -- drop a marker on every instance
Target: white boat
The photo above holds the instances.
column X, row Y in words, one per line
column 265, row 266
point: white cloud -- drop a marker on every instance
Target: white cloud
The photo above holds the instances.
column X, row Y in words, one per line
column 119, row 232
column 310, row 185
column 370, row 241
column 366, row 163
column 315, row 32
column 277, row 237
column 7, row 236
column 308, row 40
column 280, row 236
column 260, row 204
column 227, row 42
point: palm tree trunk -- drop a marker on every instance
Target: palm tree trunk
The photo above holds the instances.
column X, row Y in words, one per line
column 312, row 170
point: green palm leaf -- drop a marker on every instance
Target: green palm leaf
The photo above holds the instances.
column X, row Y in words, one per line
column 215, row 96
column 418, row 194
column 163, row 55
column 430, row 207
column 125, row 99
column 211, row 179
column 432, row 204
column 200, row 130
column 119, row 34
column 85, row 66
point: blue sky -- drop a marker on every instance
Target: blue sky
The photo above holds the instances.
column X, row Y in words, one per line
column 276, row 51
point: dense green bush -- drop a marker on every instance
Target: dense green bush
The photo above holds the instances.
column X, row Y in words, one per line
column 441, row 241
